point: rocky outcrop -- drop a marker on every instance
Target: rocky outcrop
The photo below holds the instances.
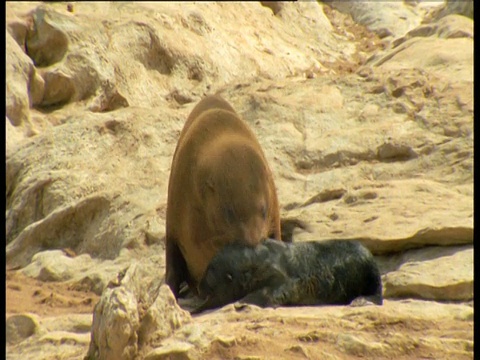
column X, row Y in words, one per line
column 433, row 273
column 46, row 337
column 136, row 313
column 368, row 130
column 391, row 19
column 461, row 7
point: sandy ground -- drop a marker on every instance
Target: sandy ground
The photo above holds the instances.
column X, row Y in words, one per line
column 24, row 294
column 274, row 337
column 365, row 333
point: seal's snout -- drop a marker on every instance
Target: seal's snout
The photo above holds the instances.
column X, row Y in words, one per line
column 251, row 234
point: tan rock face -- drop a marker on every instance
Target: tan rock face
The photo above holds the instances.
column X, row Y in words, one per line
column 368, row 138
column 436, row 273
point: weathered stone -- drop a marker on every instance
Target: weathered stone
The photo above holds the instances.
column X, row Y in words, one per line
column 162, row 318
column 54, row 265
column 62, row 337
column 174, row 351
column 389, row 151
column 115, row 326
column 356, row 346
column 151, row 314
column 19, row 70
column 17, row 27
column 385, row 18
column 462, row 7
column 13, row 136
column 71, row 323
column 226, row 341
column 380, row 228
column 73, row 221
column 436, row 273
column 298, row 349
column 451, row 26
column 20, row 327
column 46, row 42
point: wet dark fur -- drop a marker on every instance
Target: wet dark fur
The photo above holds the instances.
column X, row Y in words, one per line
column 333, row 272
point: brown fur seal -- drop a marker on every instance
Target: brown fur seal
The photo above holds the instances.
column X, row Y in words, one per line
column 334, row 272
column 220, row 189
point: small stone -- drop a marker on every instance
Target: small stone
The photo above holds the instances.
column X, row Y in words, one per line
column 174, row 351
column 226, row 341
column 392, row 151
column 20, row 327
column 299, row 349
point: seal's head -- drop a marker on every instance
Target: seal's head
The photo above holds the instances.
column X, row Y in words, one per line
column 228, row 276
column 238, row 270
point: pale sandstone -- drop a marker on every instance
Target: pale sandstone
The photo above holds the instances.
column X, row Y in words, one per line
column 444, row 274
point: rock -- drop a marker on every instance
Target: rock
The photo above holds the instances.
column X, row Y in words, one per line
column 356, row 346
column 434, row 273
column 95, row 280
column 58, row 338
column 17, row 27
column 20, row 327
column 37, row 89
column 449, row 27
column 13, row 135
column 162, row 318
column 47, row 44
column 379, row 230
column 71, row 323
column 326, row 195
column 226, row 341
column 80, row 272
column 115, row 326
column 298, row 349
column 38, row 236
column 64, row 336
column 110, row 99
column 49, row 266
column 77, row 78
column 276, row 6
column 387, row 324
column 461, row 7
column 395, row 152
column 70, row 72
column 447, row 62
column 147, row 314
column 19, row 69
column 54, row 265
column 385, row 18
column 176, row 351
column 449, row 45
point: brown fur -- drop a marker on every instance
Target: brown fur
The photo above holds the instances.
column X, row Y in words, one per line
column 220, row 189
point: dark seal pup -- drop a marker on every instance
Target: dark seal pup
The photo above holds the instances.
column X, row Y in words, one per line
column 333, row 272
column 220, row 189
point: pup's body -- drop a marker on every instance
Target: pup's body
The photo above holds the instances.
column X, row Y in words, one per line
column 273, row 273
